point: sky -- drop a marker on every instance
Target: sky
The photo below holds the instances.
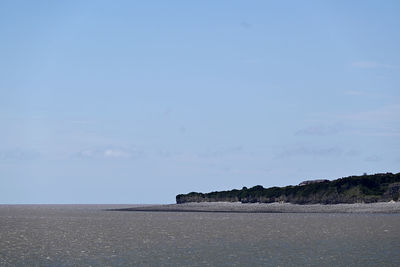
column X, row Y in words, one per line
column 138, row 101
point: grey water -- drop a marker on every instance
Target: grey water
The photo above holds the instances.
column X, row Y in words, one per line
column 88, row 235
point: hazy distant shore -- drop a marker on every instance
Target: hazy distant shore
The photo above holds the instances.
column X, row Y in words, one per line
column 237, row 207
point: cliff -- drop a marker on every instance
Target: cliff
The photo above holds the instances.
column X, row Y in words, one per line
column 353, row 189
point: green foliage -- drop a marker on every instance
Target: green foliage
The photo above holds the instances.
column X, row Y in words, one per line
column 366, row 188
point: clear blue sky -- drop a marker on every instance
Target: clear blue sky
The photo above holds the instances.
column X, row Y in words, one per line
column 137, row 101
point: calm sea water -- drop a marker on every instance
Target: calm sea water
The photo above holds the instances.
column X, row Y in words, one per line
column 84, row 235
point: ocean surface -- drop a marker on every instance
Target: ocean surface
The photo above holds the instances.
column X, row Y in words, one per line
column 88, row 235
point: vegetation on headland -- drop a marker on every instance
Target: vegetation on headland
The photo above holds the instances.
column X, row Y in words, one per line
column 353, row 189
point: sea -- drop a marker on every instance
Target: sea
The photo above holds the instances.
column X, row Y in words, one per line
column 92, row 235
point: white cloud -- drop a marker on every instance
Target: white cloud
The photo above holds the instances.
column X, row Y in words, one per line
column 87, row 153
column 110, row 153
column 116, row 153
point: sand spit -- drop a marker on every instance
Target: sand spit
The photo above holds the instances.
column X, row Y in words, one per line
column 237, row 207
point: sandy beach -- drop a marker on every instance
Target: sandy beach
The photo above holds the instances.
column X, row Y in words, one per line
column 237, row 207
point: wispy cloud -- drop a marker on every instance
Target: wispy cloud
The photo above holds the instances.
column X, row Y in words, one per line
column 110, row 153
column 373, row 158
column 385, row 113
column 378, row 132
column 19, row 154
column 380, row 121
column 319, row 130
column 217, row 153
column 354, row 93
column 376, row 94
column 370, row 65
column 116, row 153
column 353, row 153
column 246, row 25
column 79, row 122
column 310, row 152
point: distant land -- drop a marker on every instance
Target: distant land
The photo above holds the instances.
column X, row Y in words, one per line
column 381, row 187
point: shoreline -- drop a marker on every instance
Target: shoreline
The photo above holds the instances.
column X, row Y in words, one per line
column 237, row 207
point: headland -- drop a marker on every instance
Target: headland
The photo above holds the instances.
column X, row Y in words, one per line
column 381, row 187
column 378, row 193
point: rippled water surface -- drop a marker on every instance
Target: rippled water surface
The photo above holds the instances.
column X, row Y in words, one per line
column 65, row 235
